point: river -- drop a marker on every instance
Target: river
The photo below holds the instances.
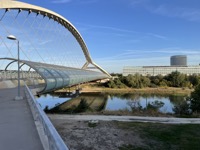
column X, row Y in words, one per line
column 112, row 102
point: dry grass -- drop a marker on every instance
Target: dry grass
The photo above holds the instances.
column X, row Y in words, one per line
column 93, row 88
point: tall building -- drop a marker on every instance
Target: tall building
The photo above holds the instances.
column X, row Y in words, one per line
column 178, row 63
column 178, row 60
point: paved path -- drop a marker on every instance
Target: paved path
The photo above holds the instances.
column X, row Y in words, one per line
column 17, row 127
column 166, row 120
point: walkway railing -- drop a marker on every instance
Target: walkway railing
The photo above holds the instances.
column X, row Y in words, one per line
column 55, row 142
column 11, row 74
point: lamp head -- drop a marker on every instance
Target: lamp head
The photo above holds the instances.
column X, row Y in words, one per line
column 11, row 37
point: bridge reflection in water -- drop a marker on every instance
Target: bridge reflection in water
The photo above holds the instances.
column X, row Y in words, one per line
column 93, row 102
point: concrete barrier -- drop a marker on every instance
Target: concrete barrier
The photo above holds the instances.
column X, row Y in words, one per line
column 50, row 138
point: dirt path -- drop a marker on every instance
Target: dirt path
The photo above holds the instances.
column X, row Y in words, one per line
column 168, row 120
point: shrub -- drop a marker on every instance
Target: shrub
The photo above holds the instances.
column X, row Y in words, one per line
column 182, row 108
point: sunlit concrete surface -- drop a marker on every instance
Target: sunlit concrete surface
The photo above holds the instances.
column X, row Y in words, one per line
column 17, row 127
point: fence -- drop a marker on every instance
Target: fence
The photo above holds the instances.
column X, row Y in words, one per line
column 54, row 140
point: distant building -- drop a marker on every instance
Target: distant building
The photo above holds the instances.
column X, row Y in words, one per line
column 178, row 60
column 160, row 70
column 178, row 63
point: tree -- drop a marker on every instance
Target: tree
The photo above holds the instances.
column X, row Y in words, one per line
column 156, row 79
column 194, row 79
column 195, row 99
column 137, row 81
column 182, row 108
column 111, row 84
column 145, row 81
column 176, row 79
column 163, row 83
column 115, row 83
column 131, row 80
column 118, row 83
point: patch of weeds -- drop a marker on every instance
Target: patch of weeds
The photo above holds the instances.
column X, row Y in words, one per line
column 92, row 123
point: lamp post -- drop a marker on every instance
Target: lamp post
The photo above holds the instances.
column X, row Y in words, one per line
column 12, row 37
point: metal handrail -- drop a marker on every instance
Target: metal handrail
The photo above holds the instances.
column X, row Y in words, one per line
column 54, row 139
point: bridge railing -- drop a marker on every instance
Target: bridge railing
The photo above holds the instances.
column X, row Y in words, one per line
column 23, row 75
column 55, row 142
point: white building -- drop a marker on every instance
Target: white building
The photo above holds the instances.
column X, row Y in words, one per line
column 160, row 70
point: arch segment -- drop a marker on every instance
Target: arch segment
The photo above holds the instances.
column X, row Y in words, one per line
column 10, row 4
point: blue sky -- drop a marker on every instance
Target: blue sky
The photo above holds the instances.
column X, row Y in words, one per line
column 122, row 33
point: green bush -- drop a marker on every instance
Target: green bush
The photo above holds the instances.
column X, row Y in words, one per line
column 182, row 108
column 195, row 100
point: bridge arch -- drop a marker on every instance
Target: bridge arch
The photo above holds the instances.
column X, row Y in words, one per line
column 21, row 6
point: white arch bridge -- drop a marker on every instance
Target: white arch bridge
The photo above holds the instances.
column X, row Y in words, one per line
column 51, row 51
column 51, row 48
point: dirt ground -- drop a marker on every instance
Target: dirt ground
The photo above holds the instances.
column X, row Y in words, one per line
column 127, row 132
column 105, row 135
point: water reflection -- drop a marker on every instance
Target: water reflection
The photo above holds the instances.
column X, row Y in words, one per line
column 50, row 100
column 111, row 102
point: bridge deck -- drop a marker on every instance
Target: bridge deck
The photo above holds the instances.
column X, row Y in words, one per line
column 17, row 127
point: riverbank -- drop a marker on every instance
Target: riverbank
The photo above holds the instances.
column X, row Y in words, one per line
column 119, row 135
column 159, row 90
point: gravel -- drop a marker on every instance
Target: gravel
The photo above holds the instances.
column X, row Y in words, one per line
column 104, row 135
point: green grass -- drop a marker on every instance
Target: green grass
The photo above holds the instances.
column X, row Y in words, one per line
column 92, row 125
column 165, row 136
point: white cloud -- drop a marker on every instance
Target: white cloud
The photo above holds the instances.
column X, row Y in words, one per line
column 129, row 36
column 44, row 42
column 157, row 36
column 170, row 10
column 177, row 51
column 190, row 14
column 107, row 28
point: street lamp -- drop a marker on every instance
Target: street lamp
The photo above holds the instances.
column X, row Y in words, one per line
column 12, row 37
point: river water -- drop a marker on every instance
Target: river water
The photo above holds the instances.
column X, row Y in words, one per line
column 113, row 102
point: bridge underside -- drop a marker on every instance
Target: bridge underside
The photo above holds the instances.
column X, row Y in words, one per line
column 58, row 77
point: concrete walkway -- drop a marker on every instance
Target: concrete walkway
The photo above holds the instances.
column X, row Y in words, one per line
column 166, row 120
column 17, row 127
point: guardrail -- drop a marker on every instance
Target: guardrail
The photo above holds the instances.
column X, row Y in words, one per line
column 23, row 74
column 55, row 142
